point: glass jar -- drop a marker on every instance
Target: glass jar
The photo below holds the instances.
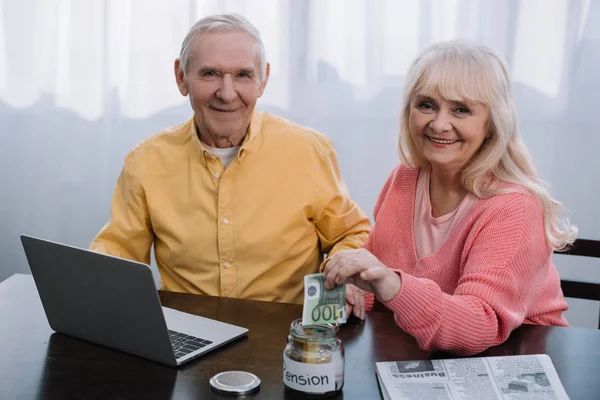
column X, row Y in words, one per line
column 313, row 360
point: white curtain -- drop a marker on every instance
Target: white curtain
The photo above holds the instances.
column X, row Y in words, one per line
column 81, row 82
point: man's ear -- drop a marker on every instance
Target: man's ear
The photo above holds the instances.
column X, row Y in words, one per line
column 180, row 78
column 263, row 84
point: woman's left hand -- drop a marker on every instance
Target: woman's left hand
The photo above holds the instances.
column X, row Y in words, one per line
column 362, row 269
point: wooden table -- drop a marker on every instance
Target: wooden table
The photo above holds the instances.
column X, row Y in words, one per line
column 36, row 363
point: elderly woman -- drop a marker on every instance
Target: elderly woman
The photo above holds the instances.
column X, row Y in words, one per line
column 464, row 228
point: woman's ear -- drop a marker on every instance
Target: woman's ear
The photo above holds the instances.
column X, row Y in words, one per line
column 490, row 130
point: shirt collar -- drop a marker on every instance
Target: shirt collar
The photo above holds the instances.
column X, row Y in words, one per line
column 248, row 144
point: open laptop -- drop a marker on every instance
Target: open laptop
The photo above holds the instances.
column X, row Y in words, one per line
column 113, row 302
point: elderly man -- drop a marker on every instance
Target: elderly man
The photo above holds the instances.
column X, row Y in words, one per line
column 237, row 202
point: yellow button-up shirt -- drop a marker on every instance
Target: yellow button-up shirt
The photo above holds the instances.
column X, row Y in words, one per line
column 252, row 230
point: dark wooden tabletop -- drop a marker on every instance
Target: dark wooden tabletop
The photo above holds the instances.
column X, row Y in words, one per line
column 36, row 363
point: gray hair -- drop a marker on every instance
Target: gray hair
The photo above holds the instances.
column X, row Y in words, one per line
column 222, row 23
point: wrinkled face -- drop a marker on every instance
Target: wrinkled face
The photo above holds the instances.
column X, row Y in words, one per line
column 448, row 132
column 223, row 82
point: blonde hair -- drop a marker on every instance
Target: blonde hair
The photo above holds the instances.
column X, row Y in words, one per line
column 475, row 73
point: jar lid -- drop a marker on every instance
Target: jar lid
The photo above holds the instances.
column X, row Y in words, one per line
column 235, row 383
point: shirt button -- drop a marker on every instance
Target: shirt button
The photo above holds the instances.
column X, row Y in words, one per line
column 226, row 265
column 217, row 175
column 225, row 221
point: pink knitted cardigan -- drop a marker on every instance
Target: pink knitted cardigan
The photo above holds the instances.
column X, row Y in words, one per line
column 493, row 274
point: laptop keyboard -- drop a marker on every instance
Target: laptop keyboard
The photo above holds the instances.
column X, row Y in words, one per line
column 184, row 344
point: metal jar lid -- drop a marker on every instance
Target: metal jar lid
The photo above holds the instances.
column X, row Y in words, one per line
column 236, row 383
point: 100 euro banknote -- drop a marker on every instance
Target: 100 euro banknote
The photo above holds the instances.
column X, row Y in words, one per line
column 322, row 306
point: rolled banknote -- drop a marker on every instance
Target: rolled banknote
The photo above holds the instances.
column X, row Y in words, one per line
column 322, row 306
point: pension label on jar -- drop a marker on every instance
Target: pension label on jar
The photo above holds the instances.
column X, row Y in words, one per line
column 308, row 378
column 323, row 306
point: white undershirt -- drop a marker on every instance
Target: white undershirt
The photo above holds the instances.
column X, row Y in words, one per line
column 226, row 155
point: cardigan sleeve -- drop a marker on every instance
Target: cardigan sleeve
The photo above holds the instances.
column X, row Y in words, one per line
column 490, row 300
column 395, row 175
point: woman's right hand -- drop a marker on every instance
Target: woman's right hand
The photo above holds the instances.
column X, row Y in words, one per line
column 364, row 270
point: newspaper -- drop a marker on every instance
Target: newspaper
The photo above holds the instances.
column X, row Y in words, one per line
column 530, row 377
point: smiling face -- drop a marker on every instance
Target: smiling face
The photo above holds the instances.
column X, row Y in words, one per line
column 223, row 82
column 457, row 113
column 447, row 132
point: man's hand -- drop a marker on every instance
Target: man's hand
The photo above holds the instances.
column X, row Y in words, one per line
column 355, row 301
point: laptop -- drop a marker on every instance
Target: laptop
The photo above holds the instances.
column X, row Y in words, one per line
column 113, row 302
